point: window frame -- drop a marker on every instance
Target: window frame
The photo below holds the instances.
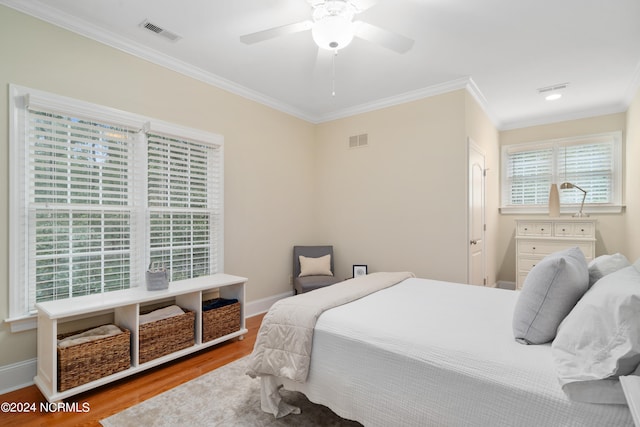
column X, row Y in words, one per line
column 20, row 99
column 557, row 144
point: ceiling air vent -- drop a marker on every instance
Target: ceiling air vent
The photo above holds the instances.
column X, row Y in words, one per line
column 553, row 88
column 357, row 141
column 159, row 31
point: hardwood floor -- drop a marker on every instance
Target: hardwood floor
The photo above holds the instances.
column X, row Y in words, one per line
column 118, row 396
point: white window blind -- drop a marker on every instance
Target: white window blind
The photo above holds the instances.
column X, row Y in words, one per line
column 97, row 194
column 592, row 162
column 184, row 205
column 590, row 167
column 79, row 206
column 530, row 174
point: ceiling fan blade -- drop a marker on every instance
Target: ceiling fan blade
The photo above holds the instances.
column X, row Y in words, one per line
column 275, row 32
column 386, row 38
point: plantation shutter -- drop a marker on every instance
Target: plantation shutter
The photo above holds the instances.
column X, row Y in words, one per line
column 79, row 206
column 590, row 167
column 529, row 176
column 590, row 162
column 184, row 191
column 97, row 193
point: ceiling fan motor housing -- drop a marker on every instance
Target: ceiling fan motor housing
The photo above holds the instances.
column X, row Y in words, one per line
column 333, row 27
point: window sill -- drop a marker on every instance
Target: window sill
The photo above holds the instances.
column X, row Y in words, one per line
column 21, row 324
column 544, row 210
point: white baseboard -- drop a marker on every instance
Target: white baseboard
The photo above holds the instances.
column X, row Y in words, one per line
column 504, row 284
column 17, row 375
column 21, row 374
column 260, row 306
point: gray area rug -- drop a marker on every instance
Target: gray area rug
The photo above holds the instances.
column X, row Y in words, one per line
column 223, row 397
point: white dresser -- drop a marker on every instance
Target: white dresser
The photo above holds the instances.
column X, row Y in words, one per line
column 536, row 238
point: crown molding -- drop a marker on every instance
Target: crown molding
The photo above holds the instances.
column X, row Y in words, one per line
column 622, row 107
column 475, row 92
column 45, row 12
column 415, row 95
column 556, row 118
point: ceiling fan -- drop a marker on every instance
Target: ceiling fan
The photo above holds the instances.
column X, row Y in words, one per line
column 333, row 28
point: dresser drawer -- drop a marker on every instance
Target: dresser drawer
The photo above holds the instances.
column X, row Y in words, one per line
column 542, row 229
column 537, row 238
column 545, row 247
column 526, row 264
column 574, row 229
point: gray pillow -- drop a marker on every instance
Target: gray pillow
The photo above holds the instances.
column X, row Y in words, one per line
column 548, row 294
column 606, row 264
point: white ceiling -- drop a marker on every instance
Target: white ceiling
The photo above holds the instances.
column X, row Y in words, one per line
column 502, row 50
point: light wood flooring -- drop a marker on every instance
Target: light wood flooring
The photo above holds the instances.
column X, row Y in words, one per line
column 118, row 396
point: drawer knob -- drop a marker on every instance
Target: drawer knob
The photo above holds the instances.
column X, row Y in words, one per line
column 534, row 248
column 563, row 229
column 582, row 229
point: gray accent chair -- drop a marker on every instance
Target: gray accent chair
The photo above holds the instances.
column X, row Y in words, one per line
column 309, row 283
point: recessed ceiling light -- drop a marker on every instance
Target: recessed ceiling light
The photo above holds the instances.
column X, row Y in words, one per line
column 553, row 92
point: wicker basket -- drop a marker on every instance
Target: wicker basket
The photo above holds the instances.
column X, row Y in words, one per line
column 220, row 321
column 166, row 336
column 83, row 363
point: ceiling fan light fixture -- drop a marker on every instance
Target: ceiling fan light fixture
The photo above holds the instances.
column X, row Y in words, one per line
column 333, row 32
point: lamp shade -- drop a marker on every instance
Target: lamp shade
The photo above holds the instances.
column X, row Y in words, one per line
column 333, row 32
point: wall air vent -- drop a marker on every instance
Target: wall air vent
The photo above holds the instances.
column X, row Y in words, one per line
column 159, row 31
column 357, row 141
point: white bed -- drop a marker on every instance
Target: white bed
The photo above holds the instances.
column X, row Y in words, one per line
column 430, row 353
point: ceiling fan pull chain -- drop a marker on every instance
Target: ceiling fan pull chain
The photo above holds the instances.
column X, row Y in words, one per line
column 333, row 73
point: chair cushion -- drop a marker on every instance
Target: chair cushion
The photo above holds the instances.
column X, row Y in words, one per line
column 309, row 283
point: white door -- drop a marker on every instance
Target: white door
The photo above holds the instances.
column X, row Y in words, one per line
column 477, row 227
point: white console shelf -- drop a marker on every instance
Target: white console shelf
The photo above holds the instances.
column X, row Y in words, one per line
column 125, row 307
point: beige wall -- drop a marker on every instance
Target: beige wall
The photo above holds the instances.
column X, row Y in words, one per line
column 611, row 228
column 632, row 176
column 269, row 157
column 400, row 203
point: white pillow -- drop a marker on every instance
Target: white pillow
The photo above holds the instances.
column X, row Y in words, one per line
column 315, row 266
column 606, row 264
column 600, row 339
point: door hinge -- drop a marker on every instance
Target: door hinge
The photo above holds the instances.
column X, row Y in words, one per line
column 485, row 227
column 484, row 281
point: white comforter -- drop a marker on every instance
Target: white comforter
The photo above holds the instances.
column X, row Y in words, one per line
column 429, row 353
column 283, row 345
